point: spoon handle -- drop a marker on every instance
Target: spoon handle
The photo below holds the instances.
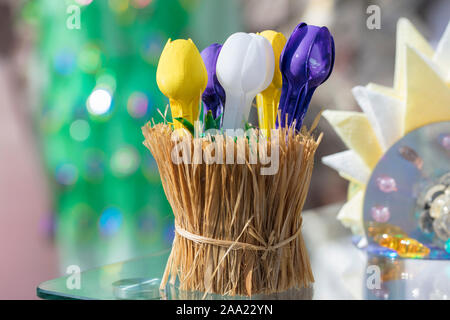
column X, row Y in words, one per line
column 234, row 107
column 304, row 107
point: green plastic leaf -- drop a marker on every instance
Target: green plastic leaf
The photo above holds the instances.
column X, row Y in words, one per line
column 249, row 126
column 210, row 123
column 219, row 120
column 189, row 126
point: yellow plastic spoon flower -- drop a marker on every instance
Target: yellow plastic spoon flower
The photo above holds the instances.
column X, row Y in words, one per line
column 267, row 101
column 182, row 77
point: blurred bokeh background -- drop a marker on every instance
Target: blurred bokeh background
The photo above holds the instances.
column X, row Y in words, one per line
column 77, row 187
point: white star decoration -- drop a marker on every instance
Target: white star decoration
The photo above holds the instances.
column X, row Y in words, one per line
column 420, row 96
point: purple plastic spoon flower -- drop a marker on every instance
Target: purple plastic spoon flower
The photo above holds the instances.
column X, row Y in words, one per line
column 305, row 63
column 214, row 95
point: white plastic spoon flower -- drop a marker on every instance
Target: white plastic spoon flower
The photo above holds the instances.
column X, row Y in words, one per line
column 245, row 67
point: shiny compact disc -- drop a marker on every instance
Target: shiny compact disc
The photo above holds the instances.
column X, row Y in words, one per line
column 407, row 200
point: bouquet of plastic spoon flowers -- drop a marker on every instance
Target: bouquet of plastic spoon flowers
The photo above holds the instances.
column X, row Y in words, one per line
column 237, row 190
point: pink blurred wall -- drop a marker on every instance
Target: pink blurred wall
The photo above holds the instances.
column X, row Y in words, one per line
column 27, row 257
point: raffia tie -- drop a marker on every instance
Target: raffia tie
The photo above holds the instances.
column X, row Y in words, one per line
column 236, row 245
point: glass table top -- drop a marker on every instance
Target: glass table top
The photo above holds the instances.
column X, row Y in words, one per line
column 341, row 271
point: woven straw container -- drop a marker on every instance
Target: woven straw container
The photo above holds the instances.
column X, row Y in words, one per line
column 237, row 231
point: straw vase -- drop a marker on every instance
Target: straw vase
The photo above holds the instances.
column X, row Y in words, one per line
column 238, row 232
